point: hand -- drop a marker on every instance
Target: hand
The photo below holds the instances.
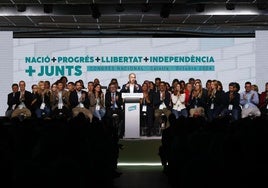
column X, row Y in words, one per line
column 82, row 98
column 231, row 96
column 145, row 95
column 127, row 86
column 245, row 97
column 252, row 96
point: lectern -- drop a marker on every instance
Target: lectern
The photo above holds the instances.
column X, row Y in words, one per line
column 132, row 114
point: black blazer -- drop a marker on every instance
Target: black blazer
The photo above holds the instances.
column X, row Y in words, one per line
column 137, row 89
column 39, row 100
column 235, row 101
column 11, row 100
column 108, row 99
column 73, row 99
column 218, row 100
column 28, row 97
column 157, row 101
column 196, row 101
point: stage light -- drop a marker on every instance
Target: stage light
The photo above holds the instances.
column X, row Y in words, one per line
column 95, row 12
column 200, row 8
column 21, row 8
column 120, row 8
column 230, row 6
column 48, row 8
column 165, row 10
column 139, row 164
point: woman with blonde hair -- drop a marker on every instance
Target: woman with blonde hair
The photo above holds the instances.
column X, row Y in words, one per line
column 42, row 101
column 197, row 101
column 215, row 100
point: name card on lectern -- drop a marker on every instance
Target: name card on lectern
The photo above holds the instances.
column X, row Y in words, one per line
column 132, row 97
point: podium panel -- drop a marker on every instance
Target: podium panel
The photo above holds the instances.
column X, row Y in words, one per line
column 132, row 120
column 132, row 114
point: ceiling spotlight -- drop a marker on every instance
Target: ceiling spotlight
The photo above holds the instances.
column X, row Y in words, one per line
column 21, row 8
column 95, row 12
column 230, row 6
column 48, row 8
column 146, row 7
column 119, row 7
column 200, row 8
column 165, row 10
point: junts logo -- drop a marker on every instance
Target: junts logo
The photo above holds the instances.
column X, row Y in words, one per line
column 131, row 108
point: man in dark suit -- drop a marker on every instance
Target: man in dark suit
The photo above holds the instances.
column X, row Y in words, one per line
column 23, row 100
column 131, row 86
column 11, row 100
column 231, row 100
column 79, row 101
column 162, row 105
column 59, row 101
column 114, row 109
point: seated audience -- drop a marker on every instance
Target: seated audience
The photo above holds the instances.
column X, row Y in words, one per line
column 79, row 101
column 178, row 102
column 114, row 110
column 146, row 110
column 162, row 106
column 59, row 101
column 41, row 102
column 98, row 102
column 264, row 101
column 23, row 100
column 197, row 101
column 249, row 100
column 232, row 103
column 11, row 100
column 215, row 101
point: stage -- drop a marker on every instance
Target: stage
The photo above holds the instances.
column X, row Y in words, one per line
column 140, row 151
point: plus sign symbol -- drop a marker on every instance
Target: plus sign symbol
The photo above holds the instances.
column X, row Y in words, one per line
column 97, row 59
column 54, row 59
column 146, row 59
column 30, row 70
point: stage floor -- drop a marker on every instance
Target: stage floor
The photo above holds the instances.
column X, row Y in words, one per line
column 140, row 150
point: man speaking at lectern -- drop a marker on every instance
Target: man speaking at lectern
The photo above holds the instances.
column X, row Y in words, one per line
column 131, row 110
column 131, row 86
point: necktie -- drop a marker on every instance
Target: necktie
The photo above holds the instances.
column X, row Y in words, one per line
column 114, row 101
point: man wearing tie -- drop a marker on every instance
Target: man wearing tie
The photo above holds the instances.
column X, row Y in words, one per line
column 113, row 104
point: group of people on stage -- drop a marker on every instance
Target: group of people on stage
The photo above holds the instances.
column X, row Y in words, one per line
column 160, row 99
